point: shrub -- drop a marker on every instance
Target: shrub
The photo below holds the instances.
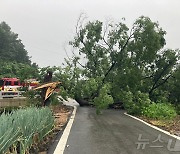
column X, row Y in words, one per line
column 178, row 109
column 54, row 100
column 104, row 99
column 33, row 98
column 127, row 98
column 160, row 111
column 135, row 104
column 140, row 104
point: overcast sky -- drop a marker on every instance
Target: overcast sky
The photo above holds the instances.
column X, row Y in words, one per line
column 46, row 26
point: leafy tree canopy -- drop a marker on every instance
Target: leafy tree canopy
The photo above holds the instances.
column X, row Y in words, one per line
column 11, row 47
column 14, row 59
column 19, row 70
column 126, row 59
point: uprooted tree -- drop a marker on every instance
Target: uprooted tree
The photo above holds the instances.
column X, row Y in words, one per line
column 111, row 58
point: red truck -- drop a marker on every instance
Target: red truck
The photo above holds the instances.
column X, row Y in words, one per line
column 12, row 84
column 9, row 87
column 9, row 84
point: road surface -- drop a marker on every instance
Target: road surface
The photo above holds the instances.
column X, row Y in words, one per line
column 115, row 133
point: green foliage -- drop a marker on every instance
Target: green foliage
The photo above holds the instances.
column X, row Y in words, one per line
column 14, row 59
column 11, row 48
column 160, row 111
column 63, row 93
column 54, row 100
column 126, row 59
column 135, row 104
column 19, row 129
column 127, row 98
column 148, row 39
column 129, row 59
column 8, row 109
column 86, row 88
column 69, row 77
column 178, row 109
column 8, row 133
column 19, row 70
column 104, row 99
column 140, row 104
column 89, row 87
column 33, row 98
column 173, row 87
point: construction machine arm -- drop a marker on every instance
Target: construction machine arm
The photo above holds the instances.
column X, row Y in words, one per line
column 50, row 88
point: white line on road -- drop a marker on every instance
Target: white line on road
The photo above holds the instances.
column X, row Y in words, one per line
column 63, row 140
column 163, row 131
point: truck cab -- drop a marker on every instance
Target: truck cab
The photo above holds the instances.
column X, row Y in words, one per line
column 9, row 84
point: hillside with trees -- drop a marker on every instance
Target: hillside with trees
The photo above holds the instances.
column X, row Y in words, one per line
column 14, row 59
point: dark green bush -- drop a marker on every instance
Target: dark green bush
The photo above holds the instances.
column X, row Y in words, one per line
column 178, row 109
column 104, row 99
column 135, row 104
column 160, row 111
column 54, row 99
column 33, row 98
column 140, row 104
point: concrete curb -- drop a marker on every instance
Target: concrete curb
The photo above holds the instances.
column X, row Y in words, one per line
column 163, row 131
column 63, row 140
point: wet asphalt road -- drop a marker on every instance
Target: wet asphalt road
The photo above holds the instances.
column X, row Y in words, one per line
column 114, row 133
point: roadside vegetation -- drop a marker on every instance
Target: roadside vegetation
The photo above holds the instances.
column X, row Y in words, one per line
column 23, row 128
column 140, row 104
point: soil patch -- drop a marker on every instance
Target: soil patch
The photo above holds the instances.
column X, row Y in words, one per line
column 172, row 126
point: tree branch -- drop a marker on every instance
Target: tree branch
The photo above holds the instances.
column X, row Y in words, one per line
column 160, row 75
column 110, row 69
column 78, row 61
